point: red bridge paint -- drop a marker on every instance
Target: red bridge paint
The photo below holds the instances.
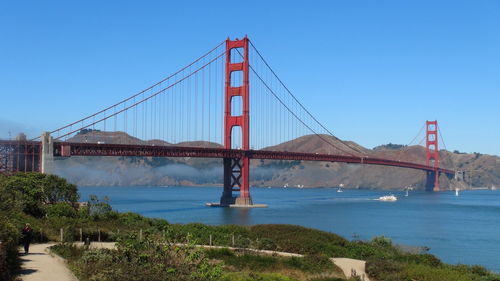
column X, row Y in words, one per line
column 432, row 150
column 236, row 169
column 90, row 149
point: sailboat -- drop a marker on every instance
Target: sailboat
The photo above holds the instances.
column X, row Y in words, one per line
column 340, row 188
column 456, row 191
column 406, row 195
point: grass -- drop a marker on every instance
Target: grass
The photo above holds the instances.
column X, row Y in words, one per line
column 253, row 262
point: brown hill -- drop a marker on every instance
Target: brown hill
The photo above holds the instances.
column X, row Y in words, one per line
column 481, row 170
column 322, row 144
column 95, row 136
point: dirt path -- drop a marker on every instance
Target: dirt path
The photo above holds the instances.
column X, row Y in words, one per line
column 348, row 266
column 41, row 266
column 38, row 265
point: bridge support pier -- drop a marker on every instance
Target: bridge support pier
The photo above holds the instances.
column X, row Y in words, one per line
column 432, row 181
column 236, row 172
column 47, row 157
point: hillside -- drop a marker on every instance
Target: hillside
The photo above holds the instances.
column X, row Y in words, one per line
column 482, row 170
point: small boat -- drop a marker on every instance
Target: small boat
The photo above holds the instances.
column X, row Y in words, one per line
column 456, row 191
column 387, row 198
column 406, row 195
column 340, row 188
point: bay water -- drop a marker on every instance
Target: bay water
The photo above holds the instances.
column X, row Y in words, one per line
column 458, row 229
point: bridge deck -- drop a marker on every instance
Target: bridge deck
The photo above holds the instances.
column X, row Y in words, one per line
column 66, row 149
column 91, row 149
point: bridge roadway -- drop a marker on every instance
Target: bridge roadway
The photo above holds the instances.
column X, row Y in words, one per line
column 66, row 149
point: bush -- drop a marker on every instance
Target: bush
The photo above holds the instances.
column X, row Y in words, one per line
column 252, row 276
column 297, row 239
column 9, row 236
column 33, row 190
column 60, row 209
column 266, row 244
column 381, row 269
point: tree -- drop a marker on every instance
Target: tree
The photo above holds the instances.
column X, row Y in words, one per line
column 56, row 189
column 33, row 190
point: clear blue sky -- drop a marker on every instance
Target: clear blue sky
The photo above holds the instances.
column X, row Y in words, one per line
column 372, row 71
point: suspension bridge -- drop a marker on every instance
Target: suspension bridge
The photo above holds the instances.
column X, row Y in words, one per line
column 229, row 104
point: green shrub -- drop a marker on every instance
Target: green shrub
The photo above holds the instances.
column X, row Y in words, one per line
column 382, row 269
column 35, row 189
column 68, row 251
column 9, row 236
column 60, row 209
column 253, row 276
column 266, row 244
column 223, row 253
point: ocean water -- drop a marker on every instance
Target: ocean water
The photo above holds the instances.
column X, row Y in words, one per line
column 463, row 229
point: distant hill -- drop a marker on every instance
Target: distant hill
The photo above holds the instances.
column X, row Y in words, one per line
column 484, row 170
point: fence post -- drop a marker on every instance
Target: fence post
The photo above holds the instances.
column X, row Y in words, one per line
column 81, row 235
column 41, row 235
column 61, row 234
column 140, row 234
column 99, row 234
column 233, row 240
column 210, row 239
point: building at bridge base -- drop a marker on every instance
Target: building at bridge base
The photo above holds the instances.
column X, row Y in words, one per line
column 47, row 159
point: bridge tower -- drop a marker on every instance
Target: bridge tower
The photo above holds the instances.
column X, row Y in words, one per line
column 236, row 170
column 432, row 154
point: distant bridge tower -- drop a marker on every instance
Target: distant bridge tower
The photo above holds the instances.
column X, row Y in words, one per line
column 432, row 154
column 236, row 170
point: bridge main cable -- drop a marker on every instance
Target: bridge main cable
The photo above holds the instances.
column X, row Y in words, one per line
column 300, row 104
column 136, row 103
column 134, row 96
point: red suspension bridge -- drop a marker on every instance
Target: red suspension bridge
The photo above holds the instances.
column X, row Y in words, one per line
column 203, row 110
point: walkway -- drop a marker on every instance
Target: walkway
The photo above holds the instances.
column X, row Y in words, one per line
column 38, row 265
column 348, row 265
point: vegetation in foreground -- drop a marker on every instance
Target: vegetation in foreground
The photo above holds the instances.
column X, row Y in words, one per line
column 47, row 202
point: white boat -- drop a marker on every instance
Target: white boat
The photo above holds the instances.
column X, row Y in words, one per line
column 388, row 198
column 340, row 188
column 456, row 191
column 406, row 195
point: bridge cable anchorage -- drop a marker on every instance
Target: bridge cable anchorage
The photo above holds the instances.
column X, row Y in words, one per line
column 292, row 112
column 135, row 95
column 141, row 101
column 300, row 104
